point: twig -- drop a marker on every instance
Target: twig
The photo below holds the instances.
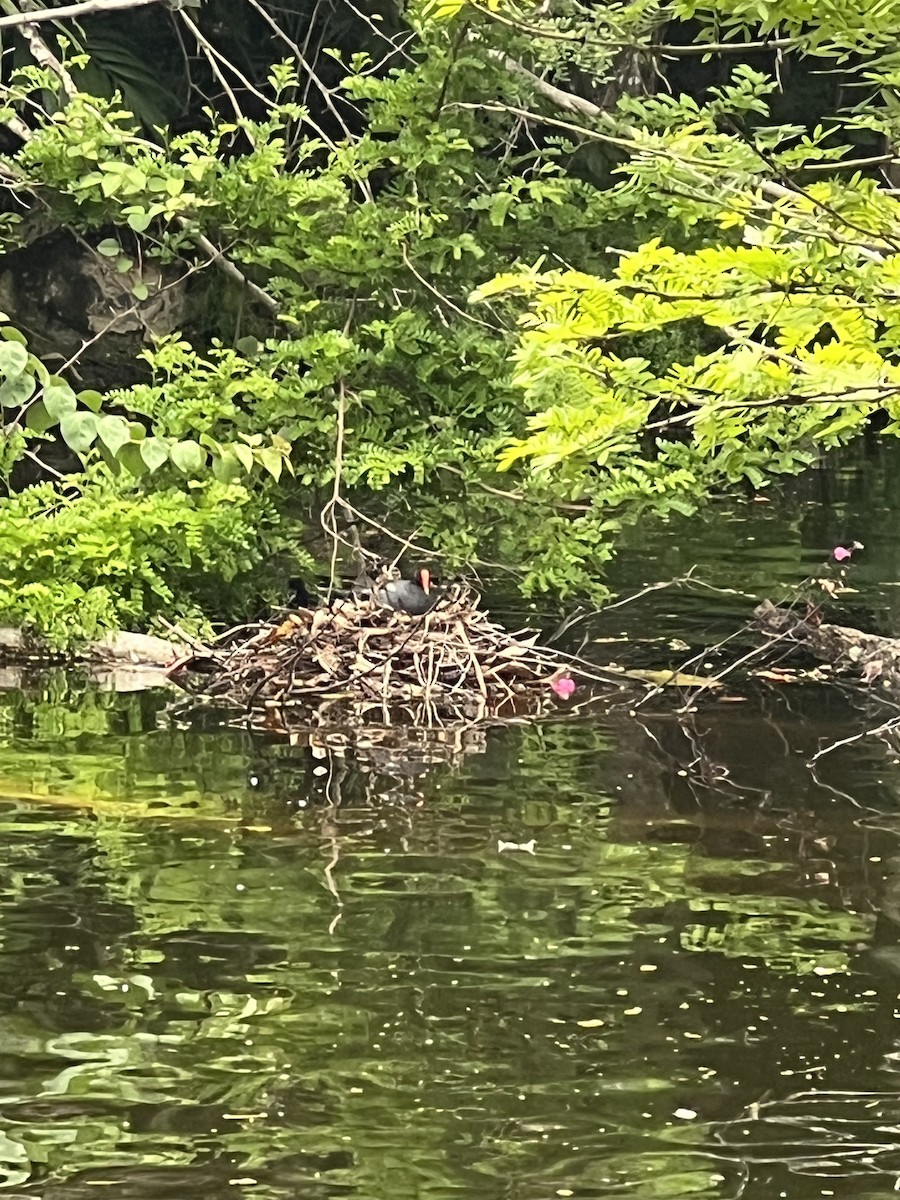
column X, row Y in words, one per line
column 885, row 727
column 313, row 78
column 212, row 53
column 211, row 57
column 476, row 665
column 444, row 299
column 336, row 488
column 329, row 512
column 576, row 618
column 666, row 49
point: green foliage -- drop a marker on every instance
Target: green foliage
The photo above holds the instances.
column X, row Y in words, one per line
column 522, row 357
column 113, row 556
column 802, row 310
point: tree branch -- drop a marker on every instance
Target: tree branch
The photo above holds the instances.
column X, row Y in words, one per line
column 40, row 51
column 566, row 100
column 211, row 57
column 767, row 187
column 311, row 74
column 87, row 8
column 227, row 267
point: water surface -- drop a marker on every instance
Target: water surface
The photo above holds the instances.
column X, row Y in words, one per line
column 239, row 967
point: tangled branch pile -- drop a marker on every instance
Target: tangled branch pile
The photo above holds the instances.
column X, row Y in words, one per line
column 354, row 658
column 876, row 659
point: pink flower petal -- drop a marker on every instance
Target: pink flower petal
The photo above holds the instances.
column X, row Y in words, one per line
column 563, row 686
column 841, row 553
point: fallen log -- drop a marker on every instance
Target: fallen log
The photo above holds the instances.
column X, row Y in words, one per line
column 120, row 662
column 876, row 659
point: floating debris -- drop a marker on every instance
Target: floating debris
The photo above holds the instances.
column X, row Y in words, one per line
column 525, row 847
column 563, row 686
column 876, row 659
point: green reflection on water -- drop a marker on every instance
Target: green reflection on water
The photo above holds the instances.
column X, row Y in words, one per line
column 208, row 981
column 231, row 966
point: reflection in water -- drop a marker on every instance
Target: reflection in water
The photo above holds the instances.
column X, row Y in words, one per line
column 261, row 991
column 263, row 970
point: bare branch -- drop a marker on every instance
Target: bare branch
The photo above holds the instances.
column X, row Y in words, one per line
column 227, row 267
column 444, row 299
column 87, row 8
column 17, row 126
column 566, row 100
column 887, row 727
column 310, row 72
column 214, row 57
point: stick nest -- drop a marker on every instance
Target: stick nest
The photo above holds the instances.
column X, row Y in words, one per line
column 354, row 663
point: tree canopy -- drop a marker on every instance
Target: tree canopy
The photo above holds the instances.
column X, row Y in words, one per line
column 504, row 277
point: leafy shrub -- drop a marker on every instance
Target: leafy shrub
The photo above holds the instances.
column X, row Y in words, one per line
column 111, row 555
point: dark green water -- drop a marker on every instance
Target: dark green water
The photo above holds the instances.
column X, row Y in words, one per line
column 233, row 968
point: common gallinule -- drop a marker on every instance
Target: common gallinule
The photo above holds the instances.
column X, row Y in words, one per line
column 413, row 596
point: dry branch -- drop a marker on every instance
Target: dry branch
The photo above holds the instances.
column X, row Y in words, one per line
column 875, row 658
column 89, row 8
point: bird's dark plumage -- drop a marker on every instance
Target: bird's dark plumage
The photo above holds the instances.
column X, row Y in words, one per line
column 413, row 596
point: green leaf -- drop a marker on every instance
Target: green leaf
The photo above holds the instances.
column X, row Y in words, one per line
column 135, row 180
column 109, row 248
column 59, row 399
column 140, row 291
column 500, row 206
column 79, row 430
column 272, row 461
column 226, row 467
column 91, row 399
column 16, row 391
column 154, row 452
column 130, row 458
column 243, row 454
column 139, row 221
column 13, row 358
column 114, row 433
column 37, row 419
column 188, row 458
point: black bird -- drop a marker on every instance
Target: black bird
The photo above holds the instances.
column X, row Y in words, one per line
column 413, row 596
